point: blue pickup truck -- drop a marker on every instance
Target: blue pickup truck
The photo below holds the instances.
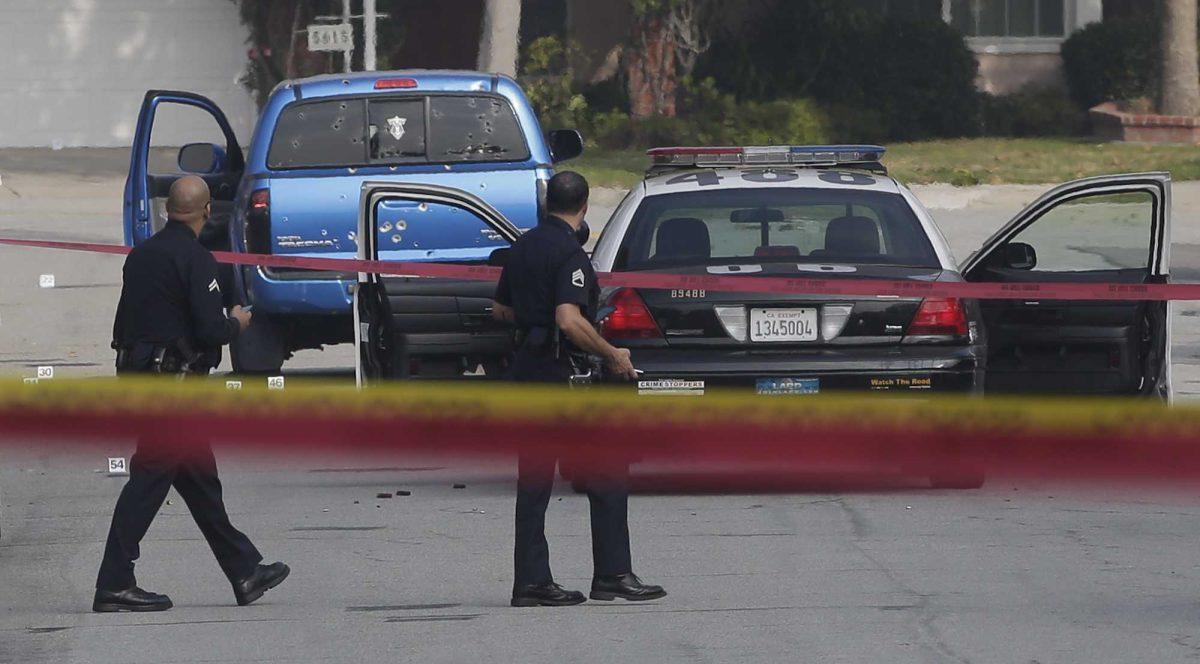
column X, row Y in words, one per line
column 295, row 190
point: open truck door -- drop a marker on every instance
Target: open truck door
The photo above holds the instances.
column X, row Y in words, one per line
column 424, row 327
column 220, row 163
column 1109, row 229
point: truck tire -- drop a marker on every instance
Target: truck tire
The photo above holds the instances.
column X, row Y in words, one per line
column 261, row 348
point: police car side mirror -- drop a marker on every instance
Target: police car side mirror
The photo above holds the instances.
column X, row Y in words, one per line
column 1019, row 256
column 565, row 144
column 202, row 158
column 499, row 257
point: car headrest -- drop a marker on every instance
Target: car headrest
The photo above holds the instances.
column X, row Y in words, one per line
column 682, row 237
column 852, row 236
column 776, row 251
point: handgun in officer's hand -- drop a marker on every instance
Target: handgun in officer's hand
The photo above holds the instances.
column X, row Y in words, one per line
column 620, row 364
column 242, row 316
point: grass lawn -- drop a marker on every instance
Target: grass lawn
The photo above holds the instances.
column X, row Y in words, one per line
column 966, row 162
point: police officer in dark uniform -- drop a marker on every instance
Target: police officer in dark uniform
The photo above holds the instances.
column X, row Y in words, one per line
column 170, row 320
column 549, row 290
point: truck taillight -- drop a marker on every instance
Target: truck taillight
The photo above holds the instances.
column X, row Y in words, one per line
column 630, row 318
column 258, row 222
column 939, row 317
column 396, row 84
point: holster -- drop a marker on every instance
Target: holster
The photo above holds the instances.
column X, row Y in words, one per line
column 177, row 358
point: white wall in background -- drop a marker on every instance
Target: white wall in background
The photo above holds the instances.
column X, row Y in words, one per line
column 73, row 72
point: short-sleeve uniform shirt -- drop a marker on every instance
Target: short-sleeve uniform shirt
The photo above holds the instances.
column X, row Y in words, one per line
column 547, row 267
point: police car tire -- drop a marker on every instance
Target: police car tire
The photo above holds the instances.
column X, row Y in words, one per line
column 260, row 349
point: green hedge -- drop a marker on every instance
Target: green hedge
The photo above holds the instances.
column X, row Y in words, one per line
column 1033, row 112
column 884, row 77
column 1113, row 60
column 709, row 118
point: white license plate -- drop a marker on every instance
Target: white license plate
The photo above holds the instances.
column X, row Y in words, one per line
column 783, row 325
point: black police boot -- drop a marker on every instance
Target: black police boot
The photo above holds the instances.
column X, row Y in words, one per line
column 264, row 578
column 130, row 599
column 626, row 586
column 546, row 594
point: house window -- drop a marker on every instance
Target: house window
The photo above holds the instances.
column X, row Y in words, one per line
column 931, row 9
column 1009, row 18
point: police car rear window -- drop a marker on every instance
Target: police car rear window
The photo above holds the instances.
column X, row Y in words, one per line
column 353, row 132
column 795, row 225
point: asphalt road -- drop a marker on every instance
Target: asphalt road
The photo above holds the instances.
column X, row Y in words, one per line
column 895, row 573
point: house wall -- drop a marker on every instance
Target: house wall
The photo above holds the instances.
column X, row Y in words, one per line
column 73, row 72
column 1004, row 74
column 1007, row 64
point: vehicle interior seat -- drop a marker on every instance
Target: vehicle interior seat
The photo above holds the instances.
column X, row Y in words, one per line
column 682, row 237
column 777, row 251
column 850, row 236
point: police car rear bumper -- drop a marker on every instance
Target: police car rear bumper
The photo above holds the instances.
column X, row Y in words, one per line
column 916, row 369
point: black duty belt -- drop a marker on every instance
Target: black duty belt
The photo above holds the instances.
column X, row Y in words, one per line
column 176, row 358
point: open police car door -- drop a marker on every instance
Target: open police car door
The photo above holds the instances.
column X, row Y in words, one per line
column 426, row 327
column 1109, row 229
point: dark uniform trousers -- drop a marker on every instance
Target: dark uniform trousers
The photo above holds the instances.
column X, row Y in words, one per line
column 607, row 491
column 187, row 464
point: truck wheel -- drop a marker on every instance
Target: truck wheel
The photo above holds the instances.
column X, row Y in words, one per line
column 261, row 349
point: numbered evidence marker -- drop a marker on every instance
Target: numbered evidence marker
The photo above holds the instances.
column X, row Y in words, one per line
column 31, row 381
column 117, row 466
column 45, row 372
column 233, row 384
column 275, row 383
column 46, row 281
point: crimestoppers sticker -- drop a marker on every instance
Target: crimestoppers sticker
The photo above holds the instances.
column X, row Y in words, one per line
column 671, row 386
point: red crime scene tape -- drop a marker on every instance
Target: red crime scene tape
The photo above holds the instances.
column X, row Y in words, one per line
column 739, row 284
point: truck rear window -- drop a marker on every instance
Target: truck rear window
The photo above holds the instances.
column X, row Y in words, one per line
column 352, row 132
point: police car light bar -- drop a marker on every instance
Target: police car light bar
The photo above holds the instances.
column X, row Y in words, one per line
column 773, row 155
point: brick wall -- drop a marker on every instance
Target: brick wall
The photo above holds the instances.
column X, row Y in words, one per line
column 73, row 72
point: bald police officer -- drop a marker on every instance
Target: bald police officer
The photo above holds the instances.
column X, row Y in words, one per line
column 549, row 290
column 170, row 321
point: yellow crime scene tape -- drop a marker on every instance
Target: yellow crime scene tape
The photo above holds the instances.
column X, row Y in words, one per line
column 469, row 419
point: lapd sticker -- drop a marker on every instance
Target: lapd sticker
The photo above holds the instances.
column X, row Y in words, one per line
column 275, row 383
column 577, row 278
column 46, row 281
column 45, row 372
column 671, row 386
column 396, row 126
column 787, row 385
column 233, row 384
column 117, row 466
